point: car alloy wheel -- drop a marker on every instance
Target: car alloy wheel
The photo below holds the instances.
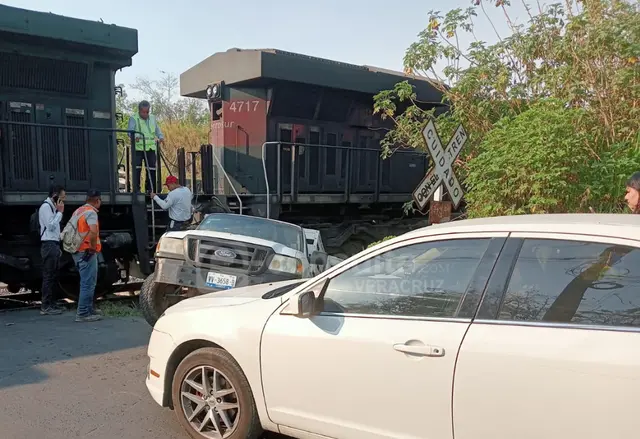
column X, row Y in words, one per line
column 210, row 402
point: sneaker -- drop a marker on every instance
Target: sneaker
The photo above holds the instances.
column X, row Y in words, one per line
column 89, row 318
column 50, row 311
column 96, row 312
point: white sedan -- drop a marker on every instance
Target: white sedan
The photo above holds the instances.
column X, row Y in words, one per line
column 518, row 327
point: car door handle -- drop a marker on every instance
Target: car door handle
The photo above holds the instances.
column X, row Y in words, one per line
column 423, row 350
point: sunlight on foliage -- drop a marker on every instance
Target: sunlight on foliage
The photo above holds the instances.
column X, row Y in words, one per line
column 552, row 111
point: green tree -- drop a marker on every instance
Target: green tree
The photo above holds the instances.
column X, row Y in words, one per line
column 552, row 110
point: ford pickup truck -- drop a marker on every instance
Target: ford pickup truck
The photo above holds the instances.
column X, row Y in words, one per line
column 226, row 251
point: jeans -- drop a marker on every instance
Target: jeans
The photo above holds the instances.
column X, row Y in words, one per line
column 50, row 252
column 149, row 162
column 88, row 270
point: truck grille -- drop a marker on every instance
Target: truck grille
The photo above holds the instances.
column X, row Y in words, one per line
column 228, row 254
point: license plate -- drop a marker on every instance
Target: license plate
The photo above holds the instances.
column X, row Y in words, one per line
column 219, row 280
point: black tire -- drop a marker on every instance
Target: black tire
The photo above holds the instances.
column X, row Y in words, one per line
column 153, row 301
column 248, row 423
column 146, row 301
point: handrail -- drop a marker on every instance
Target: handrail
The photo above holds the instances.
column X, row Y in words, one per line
column 349, row 148
column 109, row 130
column 131, row 134
column 266, row 178
column 228, row 178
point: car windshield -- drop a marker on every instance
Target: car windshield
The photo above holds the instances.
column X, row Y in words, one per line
column 256, row 227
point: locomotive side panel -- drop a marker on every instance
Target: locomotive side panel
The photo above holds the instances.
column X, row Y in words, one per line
column 52, row 91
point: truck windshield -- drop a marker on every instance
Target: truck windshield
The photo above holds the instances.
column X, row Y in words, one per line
column 256, row 227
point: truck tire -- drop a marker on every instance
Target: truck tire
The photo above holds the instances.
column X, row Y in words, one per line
column 146, row 300
column 235, row 396
column 153, row 301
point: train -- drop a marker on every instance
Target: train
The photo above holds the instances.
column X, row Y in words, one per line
column 296, row 139
column 293, row 137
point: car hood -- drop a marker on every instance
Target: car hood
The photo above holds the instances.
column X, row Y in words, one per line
column 276, row 246
column 232, row 297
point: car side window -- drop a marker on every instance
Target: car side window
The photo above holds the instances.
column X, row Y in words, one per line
column 564, row 281
column 418, row 280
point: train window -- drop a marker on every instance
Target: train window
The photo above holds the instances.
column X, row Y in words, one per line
column 216, row 111
column 285, row 135
column 332, row 140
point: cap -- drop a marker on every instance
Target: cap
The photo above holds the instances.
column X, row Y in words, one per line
column 171, row 180
column 93, row 193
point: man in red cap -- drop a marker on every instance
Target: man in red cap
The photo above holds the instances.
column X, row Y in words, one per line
column 178, row 203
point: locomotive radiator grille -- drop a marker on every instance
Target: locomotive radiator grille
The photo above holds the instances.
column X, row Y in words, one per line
column 43, row 74
column 228, row 254
column 77, row 149
column 51, row 150
column 21, row 148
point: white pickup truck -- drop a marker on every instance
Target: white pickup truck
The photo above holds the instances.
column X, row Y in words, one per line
column 226, row 251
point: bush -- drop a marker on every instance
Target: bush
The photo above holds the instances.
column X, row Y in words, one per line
column 552, row 111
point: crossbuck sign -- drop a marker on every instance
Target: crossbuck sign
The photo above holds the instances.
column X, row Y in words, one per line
column 442, row 171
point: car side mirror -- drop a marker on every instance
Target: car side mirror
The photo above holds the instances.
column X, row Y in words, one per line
column 319, row 258
column 304, row 305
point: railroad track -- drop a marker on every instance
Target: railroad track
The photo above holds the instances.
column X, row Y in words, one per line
column 29, row 300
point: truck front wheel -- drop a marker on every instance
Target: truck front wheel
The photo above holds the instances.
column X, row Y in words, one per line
column 156, row 298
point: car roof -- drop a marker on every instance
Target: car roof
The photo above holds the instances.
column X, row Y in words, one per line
column 614, row 225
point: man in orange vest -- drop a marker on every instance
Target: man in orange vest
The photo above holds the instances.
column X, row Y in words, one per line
column 86, row 258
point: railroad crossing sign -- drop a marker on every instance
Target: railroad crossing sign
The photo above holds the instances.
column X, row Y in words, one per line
column 442, row 171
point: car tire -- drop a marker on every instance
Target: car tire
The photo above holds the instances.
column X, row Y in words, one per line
column 245, row 424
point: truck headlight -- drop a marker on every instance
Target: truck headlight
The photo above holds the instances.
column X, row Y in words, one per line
column 171, row 247
column 285, row 264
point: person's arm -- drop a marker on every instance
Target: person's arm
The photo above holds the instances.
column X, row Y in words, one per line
column 92, row 221
column 48, row 218
column 132, row 127
column 159, row 134
column 165, row 204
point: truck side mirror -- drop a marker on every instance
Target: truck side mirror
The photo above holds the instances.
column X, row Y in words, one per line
column 319, row 258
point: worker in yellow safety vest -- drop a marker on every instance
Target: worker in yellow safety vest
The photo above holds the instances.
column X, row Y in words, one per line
column 144, row 123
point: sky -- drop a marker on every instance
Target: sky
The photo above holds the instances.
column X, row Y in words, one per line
column 175, row 35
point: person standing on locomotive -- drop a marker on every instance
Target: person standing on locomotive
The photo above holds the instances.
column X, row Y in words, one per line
column 178, row 202
column 145, row 148
column 49, row 216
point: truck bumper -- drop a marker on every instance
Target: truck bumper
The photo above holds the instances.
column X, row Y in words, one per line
column 176, row 272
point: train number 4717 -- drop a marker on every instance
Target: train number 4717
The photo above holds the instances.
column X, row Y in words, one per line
column 244, row 106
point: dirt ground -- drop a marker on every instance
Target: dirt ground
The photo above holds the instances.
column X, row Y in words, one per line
column 61, row 379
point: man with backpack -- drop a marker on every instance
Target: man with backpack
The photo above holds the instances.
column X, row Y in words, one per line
column 49, row 217
column 81, row 238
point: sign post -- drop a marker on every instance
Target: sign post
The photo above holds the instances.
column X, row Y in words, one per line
column 442, row 171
